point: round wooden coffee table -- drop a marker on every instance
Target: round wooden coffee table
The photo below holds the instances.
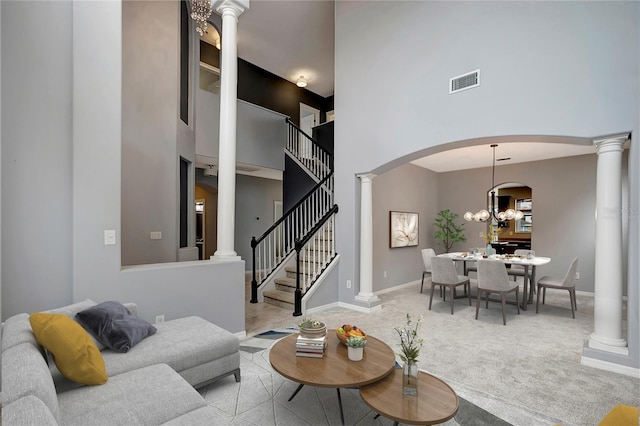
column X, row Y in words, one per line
column 435, row 403
column 334, row 370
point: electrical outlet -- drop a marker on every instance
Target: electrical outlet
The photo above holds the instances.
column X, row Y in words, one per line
column 109, row 237
column 348, row 284
column 385, row 274
column 159, row 319
column 577, row 275
column 156, row 235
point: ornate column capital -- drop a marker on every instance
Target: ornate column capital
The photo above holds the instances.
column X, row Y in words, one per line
column 366, row 177
column 234, row 7
column 610, row 143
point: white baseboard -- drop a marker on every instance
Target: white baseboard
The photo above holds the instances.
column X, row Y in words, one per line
column 397, row 287
column 344, row 305
column 610, row 366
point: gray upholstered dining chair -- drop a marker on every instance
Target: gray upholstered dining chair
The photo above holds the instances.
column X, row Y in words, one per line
column 566, row 283
column 427, row 254
column 518, row 270
column 493, row 278
column 444, row 274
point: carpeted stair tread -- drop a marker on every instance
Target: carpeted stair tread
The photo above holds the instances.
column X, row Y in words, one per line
column 280, row 296
column 289, row 283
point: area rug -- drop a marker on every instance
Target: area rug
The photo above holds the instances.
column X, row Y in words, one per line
column 262, row 397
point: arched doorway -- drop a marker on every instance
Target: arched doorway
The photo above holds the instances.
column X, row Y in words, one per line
column 514, row 234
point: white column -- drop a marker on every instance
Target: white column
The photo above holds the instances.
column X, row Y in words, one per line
column 366, row 240
column 230, row 11
column 607, row 312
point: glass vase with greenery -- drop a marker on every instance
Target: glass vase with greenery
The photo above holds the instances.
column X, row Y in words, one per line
column 410, row 345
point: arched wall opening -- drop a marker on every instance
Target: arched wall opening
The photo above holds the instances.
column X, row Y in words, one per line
column 401, row 185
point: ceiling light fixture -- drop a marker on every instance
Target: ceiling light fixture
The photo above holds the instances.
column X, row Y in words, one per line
column 200, row 12
column 483, row 215
column 212, row 170
column 301, row 81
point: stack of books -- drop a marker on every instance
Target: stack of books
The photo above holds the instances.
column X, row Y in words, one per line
column 311, row 347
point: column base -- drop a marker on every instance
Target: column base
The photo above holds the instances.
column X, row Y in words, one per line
column 225, row 256
column 617, row 346
column 370, row 299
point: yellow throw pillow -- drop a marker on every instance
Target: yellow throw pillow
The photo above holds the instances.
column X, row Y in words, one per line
column 75, row 354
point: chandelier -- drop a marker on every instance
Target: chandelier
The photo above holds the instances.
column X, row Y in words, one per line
column 200, row 12
column 483, row 215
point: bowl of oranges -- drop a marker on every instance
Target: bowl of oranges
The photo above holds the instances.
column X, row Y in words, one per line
column 348, row 330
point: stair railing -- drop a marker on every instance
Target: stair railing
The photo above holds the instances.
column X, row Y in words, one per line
column 317, row 160
column 271, row 249
column 314, row 252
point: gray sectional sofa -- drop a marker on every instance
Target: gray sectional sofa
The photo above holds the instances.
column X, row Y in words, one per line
column 154, row 383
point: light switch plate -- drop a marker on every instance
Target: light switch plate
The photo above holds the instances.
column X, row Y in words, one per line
column 156, row 235
column 109, row 237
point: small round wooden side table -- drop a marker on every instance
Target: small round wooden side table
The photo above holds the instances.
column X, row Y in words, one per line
column 435, row 403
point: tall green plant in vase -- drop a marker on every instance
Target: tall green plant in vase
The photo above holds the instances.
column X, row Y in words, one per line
column 447, row 232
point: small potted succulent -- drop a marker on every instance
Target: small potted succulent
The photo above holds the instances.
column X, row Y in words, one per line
column 355, row 348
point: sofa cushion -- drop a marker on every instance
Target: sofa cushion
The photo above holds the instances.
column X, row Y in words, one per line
column 24, row 372
column 181, row 343
column 113, row 325
column 74, row 353
column 72, row 310
column 28, row 410
column 17, row 330
column 147, row 396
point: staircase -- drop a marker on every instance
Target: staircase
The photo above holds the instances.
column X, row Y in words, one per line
column 290, row 257
column 313, row 259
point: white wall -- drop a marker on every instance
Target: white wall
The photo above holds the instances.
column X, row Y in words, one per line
column 254, row 211
column 36, row 155
column 575, row 76
column 261, row 133
column 79, row 134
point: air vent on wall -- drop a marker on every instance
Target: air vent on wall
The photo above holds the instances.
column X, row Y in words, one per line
column 464, row 82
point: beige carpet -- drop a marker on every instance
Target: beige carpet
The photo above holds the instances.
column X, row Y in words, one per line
column 528, row 369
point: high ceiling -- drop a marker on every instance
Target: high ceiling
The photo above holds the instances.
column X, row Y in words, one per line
column 508, row 153
column 291, row 38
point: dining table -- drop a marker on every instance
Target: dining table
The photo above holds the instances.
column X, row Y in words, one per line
column 527, row 263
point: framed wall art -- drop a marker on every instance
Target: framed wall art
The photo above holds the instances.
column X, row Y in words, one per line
column 404, row 229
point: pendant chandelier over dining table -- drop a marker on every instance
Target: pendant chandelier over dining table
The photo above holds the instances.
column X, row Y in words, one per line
column 484, row 215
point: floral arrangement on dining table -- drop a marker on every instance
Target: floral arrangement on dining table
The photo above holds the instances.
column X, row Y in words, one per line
column 492, row 235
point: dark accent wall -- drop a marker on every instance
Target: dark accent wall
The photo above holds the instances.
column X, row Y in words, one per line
column 296, row 183
column 260, row 87
column 209, row 54
column 323, row 134
column 263, row 88
column 330, row 103
column 184, row 63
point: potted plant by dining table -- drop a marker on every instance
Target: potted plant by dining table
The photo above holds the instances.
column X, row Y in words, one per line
column 447, row 231
column 410, row 345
